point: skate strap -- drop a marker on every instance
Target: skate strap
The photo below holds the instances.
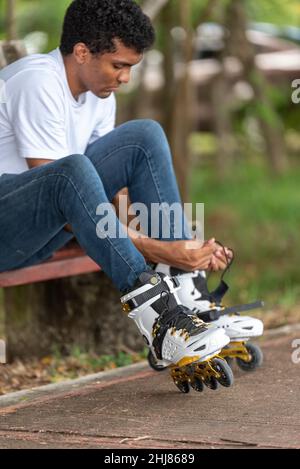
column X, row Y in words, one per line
column 242, row 308
column 142, row 298
column 215, row 314
column 218, row 294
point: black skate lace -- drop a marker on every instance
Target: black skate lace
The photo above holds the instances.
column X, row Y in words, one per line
column 178, row 319
column 205, row 294
column 189, row 325
column 229, row 262
column 175, row 320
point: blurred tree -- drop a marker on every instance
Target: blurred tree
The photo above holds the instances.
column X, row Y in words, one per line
column 11, row 25
column 152, row 8
column 271, row 125
column 178, row 90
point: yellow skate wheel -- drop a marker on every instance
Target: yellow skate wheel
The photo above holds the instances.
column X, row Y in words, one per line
column 153, row 363
column 183, row 386
column 197, row 384
column 225, row 373
column 255, row 358
column 211, row 383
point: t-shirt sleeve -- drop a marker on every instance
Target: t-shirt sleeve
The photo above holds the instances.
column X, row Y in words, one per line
column 36, row 111
column 107, row 120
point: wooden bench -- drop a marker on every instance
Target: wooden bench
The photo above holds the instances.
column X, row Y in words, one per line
column 66, row 262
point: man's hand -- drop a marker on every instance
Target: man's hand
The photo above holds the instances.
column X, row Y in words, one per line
column 221, row 257
column 185, row 255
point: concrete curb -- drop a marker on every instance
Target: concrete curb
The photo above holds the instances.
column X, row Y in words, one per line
column 71, row 385
column 284, row 330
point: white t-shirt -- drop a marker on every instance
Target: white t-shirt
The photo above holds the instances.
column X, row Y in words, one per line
column 40, row 118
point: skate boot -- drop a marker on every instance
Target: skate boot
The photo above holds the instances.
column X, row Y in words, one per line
column 208, row 306
column 176, row 337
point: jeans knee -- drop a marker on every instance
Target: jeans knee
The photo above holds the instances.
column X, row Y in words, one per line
column 152, row 131
column 76, row 166
column 150, row 135
column 151, row 126
column 145, row 130
column 156, row 140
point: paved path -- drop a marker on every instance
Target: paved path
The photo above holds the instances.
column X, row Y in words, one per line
column 138, row 408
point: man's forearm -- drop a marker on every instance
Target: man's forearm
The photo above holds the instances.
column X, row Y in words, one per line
column 150, row 248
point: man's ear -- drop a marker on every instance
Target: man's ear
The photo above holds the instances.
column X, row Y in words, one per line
column 81, row 53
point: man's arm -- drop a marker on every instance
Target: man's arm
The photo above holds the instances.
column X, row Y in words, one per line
column 34, row 162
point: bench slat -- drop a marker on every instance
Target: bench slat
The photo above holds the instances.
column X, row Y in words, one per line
column 56, row 267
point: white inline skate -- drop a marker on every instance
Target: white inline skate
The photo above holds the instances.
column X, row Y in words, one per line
column 208, row 306
column 176, row 337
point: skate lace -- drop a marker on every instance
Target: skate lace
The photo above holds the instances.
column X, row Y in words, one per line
column 229, row 262
column 179, row 320
column 205, row 294
column 186, row 325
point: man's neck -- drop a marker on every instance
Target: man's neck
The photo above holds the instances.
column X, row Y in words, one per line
column 76, row 87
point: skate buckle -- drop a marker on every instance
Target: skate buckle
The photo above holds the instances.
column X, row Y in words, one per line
column 126, row 308
column 155, row 330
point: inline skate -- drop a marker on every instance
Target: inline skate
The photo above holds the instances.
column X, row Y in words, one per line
column 208, row 306
column 177, row 338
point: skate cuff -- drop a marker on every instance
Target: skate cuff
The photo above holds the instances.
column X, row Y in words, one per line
column 167, row 285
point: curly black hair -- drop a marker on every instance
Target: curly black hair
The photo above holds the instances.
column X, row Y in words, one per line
column 97, row 23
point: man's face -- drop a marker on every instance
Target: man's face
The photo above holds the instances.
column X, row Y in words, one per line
column 103, row 74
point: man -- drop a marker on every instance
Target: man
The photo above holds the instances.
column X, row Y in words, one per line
column 61, row 158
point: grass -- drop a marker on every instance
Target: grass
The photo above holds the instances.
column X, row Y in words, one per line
column 57, row 367
column 258, row 215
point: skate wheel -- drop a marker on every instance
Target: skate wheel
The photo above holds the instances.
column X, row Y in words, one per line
column 183, row 386
column 229, row 361
column 256, row 358
column 153, row 363
column 197, row 385
column 226, row 376
column 211, row 383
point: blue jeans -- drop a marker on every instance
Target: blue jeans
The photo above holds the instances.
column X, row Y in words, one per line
column 36, row 205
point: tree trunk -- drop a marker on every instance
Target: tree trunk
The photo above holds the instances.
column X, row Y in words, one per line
column 177, row 94
column 222, row 125
column 270, row 123
column 11, row 27
column 152, row 8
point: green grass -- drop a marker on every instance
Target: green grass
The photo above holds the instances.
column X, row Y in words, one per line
column 57, row 367
column 258, row 215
